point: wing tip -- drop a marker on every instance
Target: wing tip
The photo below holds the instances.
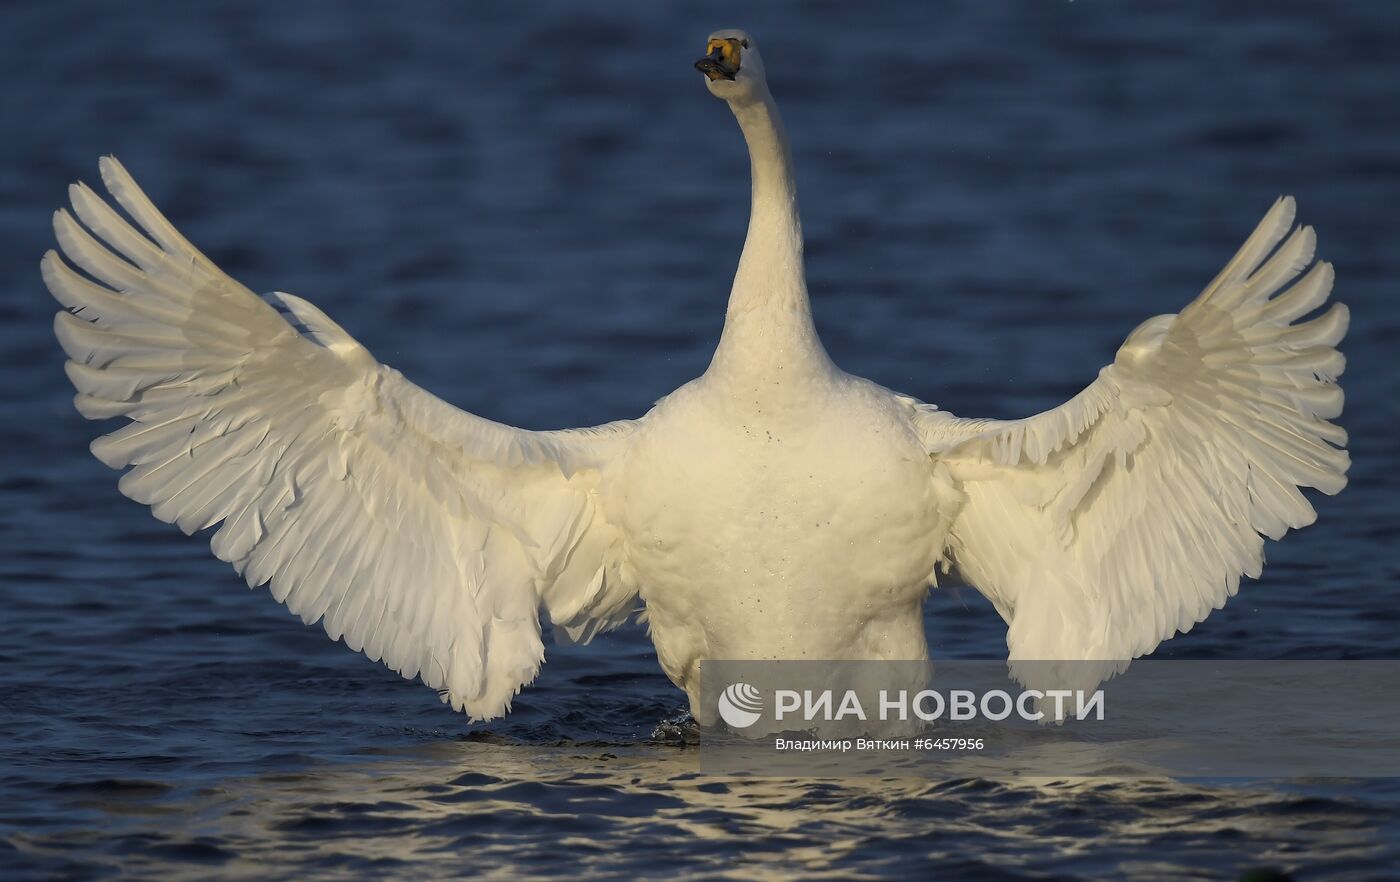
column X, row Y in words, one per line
column 112, row 170
column 1341, row 320
column 1281, row 215
column 1328, row 269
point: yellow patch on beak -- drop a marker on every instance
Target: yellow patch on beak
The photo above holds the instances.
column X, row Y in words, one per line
column 721, row 59
column 728, row 50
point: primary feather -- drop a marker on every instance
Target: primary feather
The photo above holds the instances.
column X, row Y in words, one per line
column 420, row 534
column 1106, row 525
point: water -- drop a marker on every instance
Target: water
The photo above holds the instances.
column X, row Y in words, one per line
column 537, row 218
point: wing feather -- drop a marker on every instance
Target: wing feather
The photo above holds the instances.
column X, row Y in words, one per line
column 422, row 535
column 1106, row 525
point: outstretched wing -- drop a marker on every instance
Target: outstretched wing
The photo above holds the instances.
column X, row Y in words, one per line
column 1104, row 526
column 423, row 535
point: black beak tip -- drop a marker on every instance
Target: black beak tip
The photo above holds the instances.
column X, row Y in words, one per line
column 712, row 68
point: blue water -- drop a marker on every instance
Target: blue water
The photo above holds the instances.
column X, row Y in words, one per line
column 537, row 216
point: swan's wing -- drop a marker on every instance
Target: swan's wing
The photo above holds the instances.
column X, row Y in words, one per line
column 423, row 535
column 1104, row 526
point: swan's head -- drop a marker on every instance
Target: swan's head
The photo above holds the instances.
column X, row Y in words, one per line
column 732, row 67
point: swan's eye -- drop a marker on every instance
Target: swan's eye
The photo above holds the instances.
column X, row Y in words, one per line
column 744, row 43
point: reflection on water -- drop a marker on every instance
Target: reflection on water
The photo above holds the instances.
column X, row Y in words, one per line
column 490, row 806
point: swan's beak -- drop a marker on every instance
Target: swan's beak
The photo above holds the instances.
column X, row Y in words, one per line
column 722, row 62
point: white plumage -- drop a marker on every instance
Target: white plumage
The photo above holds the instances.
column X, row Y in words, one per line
column 423, row 535
column 1133, row 509
column 775, row 507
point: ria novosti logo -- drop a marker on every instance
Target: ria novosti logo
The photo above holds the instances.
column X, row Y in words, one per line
column 740, row 705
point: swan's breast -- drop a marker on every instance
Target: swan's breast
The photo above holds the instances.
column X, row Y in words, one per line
column 782, row 533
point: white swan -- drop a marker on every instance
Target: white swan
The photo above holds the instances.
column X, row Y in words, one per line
column 775, row 507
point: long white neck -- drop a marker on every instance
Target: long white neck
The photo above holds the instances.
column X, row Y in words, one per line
column 768, row 326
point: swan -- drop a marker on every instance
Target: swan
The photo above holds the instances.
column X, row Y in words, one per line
column 776, row 507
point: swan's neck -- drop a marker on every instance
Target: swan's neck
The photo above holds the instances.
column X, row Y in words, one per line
column 768, row 326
